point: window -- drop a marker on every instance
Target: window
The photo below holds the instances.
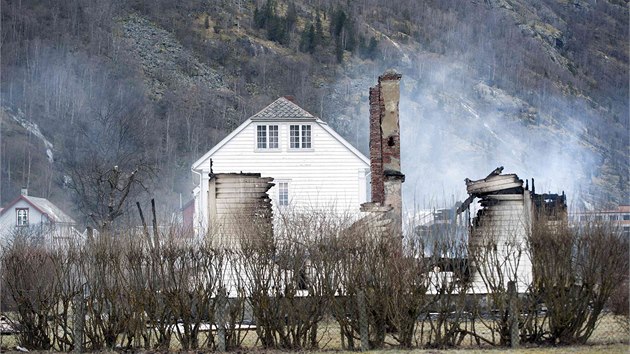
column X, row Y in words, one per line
column 300, row 136
column 626, row 216
column 267, row 137
column 21, row 217
column 613, row 217
column 306, row 136
column 294, row 136
column 283, row 193
column 273, row 136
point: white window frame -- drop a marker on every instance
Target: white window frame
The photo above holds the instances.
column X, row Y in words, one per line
column 304, row 137
column 23, row 219
column 269, row 138
column 284, row 202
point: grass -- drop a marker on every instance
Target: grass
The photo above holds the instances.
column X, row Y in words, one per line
column 609, row 337
column 584, row 349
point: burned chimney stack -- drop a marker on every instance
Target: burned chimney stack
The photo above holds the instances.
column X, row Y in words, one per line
column 385, row 140
column 386, row 175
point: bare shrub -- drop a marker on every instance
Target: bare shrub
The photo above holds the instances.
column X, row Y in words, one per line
column 130, row 291
column 317, row 234
column 121, row 290
column 498, row 262
column 30, row 279
column 231, row 312
column 289, row 279
column 68, row 286
column 152, row 322
column 190, row 287
column 447, row 324
column 390, row 288
column 410, row 283
column 576, row 271
column 107, row 304
column 620, row 304
column 364, row 286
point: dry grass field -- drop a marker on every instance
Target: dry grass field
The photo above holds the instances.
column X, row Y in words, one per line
column 609, row 337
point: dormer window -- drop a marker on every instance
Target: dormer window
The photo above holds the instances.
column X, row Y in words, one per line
column 21, row 216
column 300, row 136
column 267, row 137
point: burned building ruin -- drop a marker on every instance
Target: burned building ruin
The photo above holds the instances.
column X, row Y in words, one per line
column 234, row 198
column 506, row 213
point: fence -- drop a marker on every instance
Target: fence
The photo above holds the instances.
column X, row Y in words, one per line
column 314, row 286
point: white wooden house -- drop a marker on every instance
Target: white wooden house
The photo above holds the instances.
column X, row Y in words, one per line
column 37, row 218
column 313, row 167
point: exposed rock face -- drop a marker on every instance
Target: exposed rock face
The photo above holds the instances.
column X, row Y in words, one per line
column 504, row 103
column 32, row 128
column 164, row 60
column 486, row 82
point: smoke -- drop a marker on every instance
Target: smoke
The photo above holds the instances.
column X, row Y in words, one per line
column 486, row 85
column 454, row 126
column 90, row 110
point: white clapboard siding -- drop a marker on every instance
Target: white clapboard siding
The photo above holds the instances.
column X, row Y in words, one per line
column 324, row 176
column 331, row 176
column 506, row 223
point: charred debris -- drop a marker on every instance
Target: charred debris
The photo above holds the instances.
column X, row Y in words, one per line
column 506, row 210
column 497, row 190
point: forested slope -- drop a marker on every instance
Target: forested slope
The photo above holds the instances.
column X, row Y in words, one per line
column 538, row 86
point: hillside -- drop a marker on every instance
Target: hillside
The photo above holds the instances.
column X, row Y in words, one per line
column 540, row 87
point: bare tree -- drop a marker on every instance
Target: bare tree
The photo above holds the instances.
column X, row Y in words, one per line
column 104, row 192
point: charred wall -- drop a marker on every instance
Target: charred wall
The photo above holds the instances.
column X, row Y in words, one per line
column 239, row 206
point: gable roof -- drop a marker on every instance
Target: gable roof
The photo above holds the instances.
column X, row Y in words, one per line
column 44, row 206
column 280, row 110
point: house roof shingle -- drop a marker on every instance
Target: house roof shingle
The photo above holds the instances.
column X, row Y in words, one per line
column 50, row 209
column 282, row 109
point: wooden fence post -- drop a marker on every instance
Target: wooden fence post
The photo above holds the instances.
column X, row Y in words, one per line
column 220, row 313
column 513, row 314
column 363, row 321
column 79, row 320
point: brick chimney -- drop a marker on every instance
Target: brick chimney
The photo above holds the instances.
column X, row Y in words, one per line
column 386, row 176
column 376, row 146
